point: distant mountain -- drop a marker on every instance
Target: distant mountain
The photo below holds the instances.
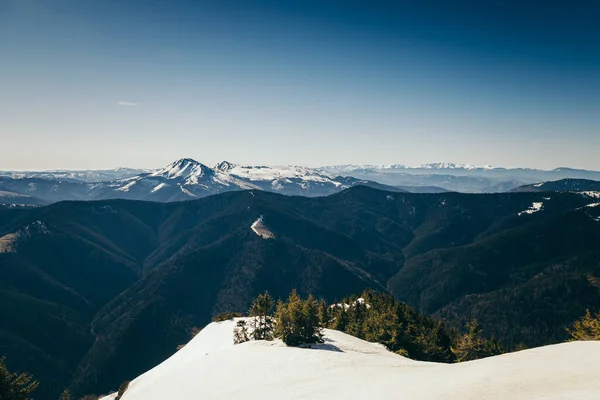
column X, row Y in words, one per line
column 94, row 293
column 563, row 185
column 18, row 199
column 187, row 179
column 432, row 166
column 76, row 176
column 458, row 177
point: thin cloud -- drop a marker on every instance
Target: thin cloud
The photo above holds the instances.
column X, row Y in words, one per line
column 126, row 104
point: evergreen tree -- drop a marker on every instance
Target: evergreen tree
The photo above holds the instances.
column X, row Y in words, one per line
column 240, row 333
column 472, row 345
column 14, row 386
column 585, row 328
column 356, row 314
column 311, row 326
column 262, row 322
column 339, row 320
column 324, row 314
column 380, row 318
column 287, row 315
column 298, row 321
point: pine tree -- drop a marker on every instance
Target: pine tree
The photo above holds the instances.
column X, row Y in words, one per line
column 14, row 386
column 240, row 333
column 585, row 328
column 262, row 322
column 311, row 332
column 286, row 315
column 324, row 316
column 298, row 321
column 339, row 319
column 472, row 346
column 356, row 316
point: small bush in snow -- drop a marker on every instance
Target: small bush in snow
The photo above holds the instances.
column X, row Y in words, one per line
column 226, row 316
column 403, row 353
column 122, row 389
column 240, row 333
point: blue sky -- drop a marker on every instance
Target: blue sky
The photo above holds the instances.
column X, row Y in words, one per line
column 106, row 83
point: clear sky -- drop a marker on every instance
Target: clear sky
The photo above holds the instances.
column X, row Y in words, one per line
column 106, row 83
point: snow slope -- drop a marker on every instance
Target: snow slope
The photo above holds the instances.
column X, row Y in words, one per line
column 535, row 207
column 211, row 367
column 261, row 229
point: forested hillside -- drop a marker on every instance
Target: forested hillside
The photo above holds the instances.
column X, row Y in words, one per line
column 93, row 293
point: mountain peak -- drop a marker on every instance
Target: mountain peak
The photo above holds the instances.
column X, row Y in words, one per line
column 183, row 168
column 224, row 166
column 184, row 161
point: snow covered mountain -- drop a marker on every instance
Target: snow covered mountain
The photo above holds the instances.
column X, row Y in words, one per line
column 187, row 179
column 210, row 366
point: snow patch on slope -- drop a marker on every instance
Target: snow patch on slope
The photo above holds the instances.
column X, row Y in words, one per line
column 127, row 187
column 158, row 187
column 261, row 229
column 593, row 195
column 535, row 207
column 346, row 306
column 184, row 190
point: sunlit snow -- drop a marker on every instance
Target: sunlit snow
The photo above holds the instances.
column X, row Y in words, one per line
column 535, row 207
column 127, row 187
column 261, row 229
column 158, row 187
column 344, row 367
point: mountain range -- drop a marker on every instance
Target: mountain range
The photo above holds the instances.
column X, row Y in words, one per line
column 459, row 177
column 184, row 179
column 187, row 179
column 95, row 293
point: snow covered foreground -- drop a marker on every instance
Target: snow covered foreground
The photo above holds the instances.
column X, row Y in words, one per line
column 211, row 367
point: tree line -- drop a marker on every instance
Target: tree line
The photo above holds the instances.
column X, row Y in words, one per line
column 377, row 317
